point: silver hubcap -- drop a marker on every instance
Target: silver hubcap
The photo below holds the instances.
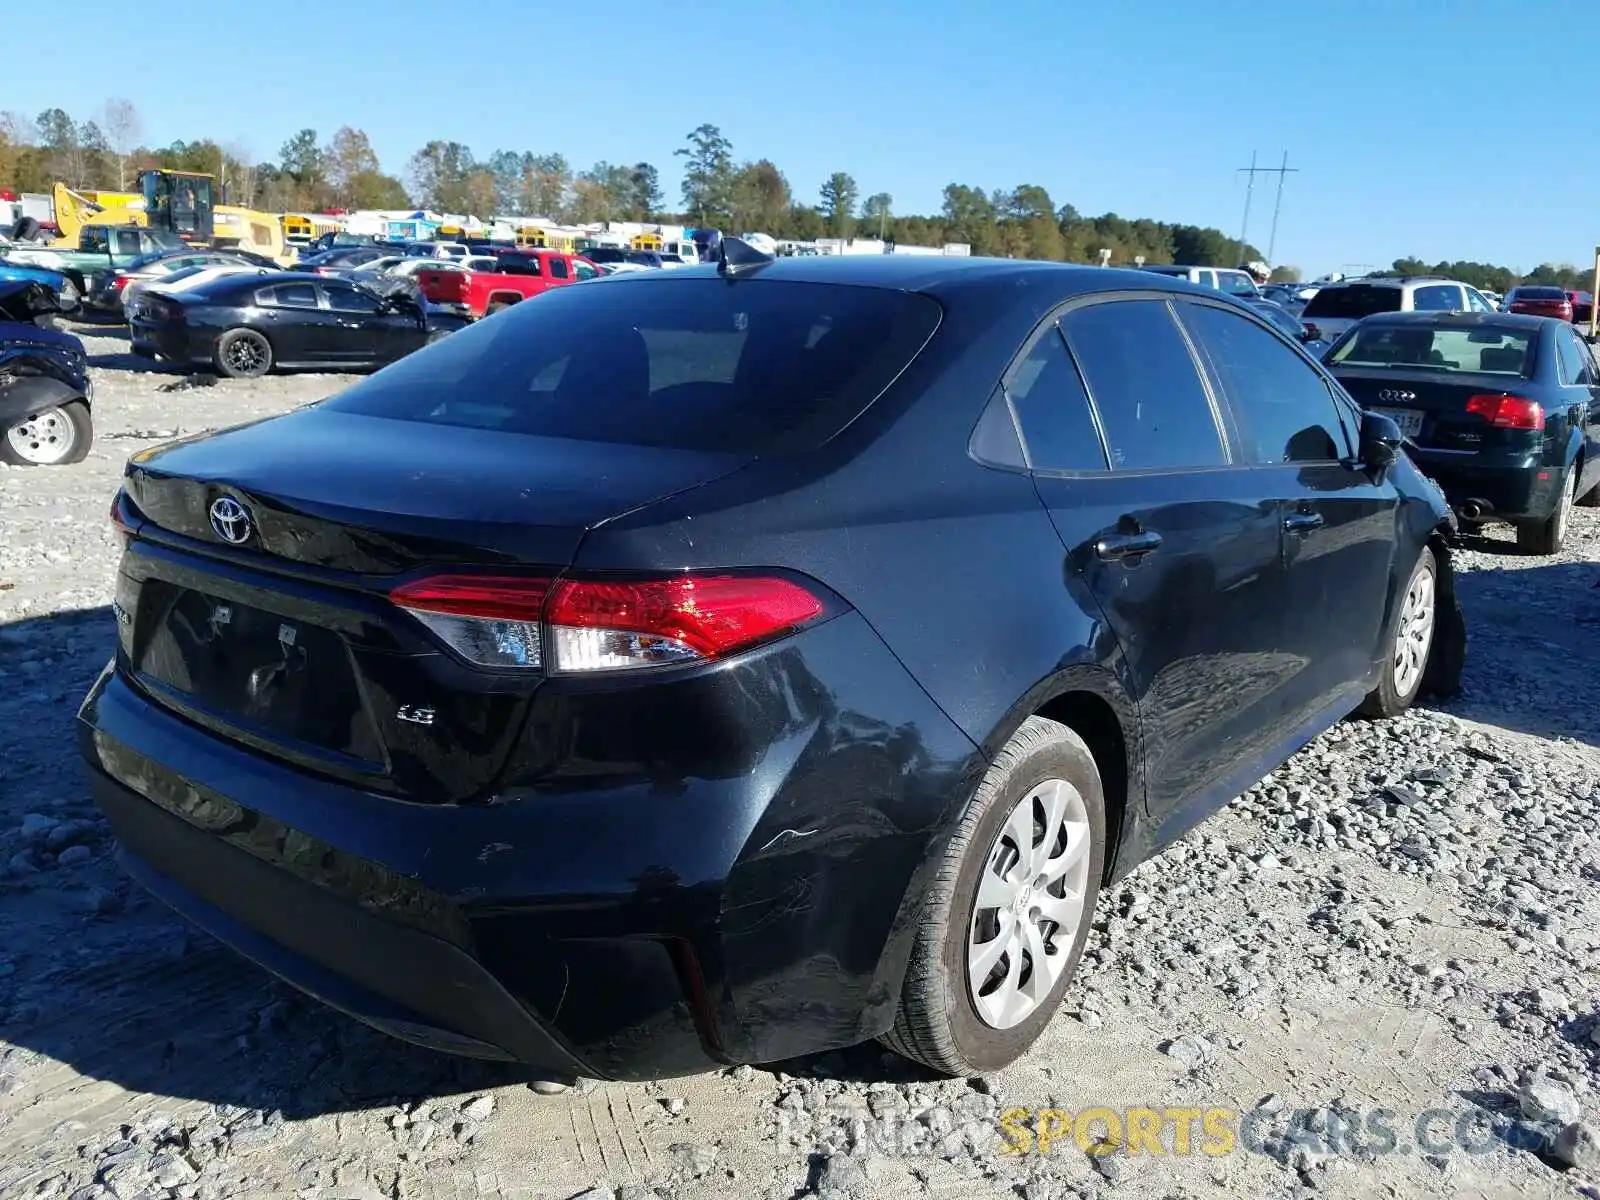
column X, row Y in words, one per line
column 1029, row 905
column 44, row 438
column 1415, row 634
column 1564, row 507
column 245, row 354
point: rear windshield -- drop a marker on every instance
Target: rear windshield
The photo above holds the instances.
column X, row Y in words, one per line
column 756, row 367
column 1540, row 293
column 1353, row 302
column 1487, row 350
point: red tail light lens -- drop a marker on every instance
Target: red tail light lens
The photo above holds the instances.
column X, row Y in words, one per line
column 1508, row 412
column 120, row 282
column 606, row 625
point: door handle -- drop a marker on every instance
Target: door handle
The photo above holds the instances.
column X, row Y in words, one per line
column 1302, row 522
column 1114, row 546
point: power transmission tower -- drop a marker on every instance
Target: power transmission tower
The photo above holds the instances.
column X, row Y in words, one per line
column 1250, row 174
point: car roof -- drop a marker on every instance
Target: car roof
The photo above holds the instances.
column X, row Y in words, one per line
column 935, row 274
column 1463, row 320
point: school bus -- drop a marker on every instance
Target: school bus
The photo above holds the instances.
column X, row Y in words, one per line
column 301, row 229
column 647, row 241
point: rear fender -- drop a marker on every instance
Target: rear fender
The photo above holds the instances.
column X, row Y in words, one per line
column 21, row 396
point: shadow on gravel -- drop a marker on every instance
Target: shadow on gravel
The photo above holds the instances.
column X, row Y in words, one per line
column 1533, row 649
column 97, row 975
column 130, row 362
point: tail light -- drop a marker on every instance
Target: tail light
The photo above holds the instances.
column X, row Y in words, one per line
column 613, row 625
column 119, row 518
column 1313, row 334
column 1508, row 412
column 120, row 282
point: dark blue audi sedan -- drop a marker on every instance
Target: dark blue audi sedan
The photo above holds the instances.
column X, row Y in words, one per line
column 750, row 660
column 1502, row 410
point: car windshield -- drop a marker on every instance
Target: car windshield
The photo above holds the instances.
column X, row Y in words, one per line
column 762, row 367
column 1353, row 301
column 145, row 261
column 1483, row 349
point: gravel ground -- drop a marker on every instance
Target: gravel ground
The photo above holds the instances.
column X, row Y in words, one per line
column 1402, row 918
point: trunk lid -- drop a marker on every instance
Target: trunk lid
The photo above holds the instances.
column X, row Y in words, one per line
column 1431, row 408
column 287, row 643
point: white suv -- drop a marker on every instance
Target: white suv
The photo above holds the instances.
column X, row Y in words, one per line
column 1337, row 306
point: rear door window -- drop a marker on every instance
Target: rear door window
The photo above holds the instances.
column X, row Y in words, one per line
column 1052, row 409
column 1282, row 404
column 1145, row 386
column 288, row 295
column 760, row 367
column 1573, row 357
column 558, row 268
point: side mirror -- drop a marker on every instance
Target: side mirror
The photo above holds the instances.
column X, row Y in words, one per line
column 1381, row 440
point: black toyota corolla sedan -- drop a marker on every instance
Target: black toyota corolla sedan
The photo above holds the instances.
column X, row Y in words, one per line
column 737, row 662
column 1503, row 411
column 246, row 325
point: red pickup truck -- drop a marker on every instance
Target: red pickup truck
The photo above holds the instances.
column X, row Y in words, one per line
column 522, row 273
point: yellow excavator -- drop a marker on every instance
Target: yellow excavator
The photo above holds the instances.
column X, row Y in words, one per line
column 182, row 203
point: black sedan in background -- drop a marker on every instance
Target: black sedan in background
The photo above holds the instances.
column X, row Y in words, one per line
column 739, row 662
column 247, row 325
column 1501, row 410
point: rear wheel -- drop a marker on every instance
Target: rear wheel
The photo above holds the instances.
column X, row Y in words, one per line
column 495, row 307
column 1407, row 662
column 51, row 438
column 1548, row 536
column 243, row 354
column 1591, row 498
column 1005, row 920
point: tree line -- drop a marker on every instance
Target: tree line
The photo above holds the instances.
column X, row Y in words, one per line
column 719, row 189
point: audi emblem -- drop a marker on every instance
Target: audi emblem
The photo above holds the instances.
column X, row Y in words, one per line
column 1396, row 395
column 231, row 521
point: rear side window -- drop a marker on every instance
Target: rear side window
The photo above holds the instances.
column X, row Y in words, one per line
column 1438, row 297
column 558, row 268
column 1352, row 302
column 1153, row 407
column 1284, row 405
column 1053, row 409
column 758, row 367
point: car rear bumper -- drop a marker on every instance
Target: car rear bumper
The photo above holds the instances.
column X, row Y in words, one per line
column 173, row 344
column 1519, row 490
column 609, row 930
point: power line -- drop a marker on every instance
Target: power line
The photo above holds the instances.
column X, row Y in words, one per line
column 1250, row 174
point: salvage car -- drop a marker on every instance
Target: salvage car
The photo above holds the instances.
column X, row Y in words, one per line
column 243, row 326
column 1502, row 410
column 732, row 663
column 111, row 289
column 66, row 289
column 45, row 390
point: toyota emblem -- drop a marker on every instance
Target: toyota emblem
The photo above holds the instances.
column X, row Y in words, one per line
column 1396, row 395
column 231, row 521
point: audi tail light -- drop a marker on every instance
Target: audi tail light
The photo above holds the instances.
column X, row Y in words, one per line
column 584, row 626
column 1508, row 412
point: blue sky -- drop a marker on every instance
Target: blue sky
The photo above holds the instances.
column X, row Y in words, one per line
column 1439, row 128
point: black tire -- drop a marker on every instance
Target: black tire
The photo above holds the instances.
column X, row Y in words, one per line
column 242, row 354
column 1548, row 536
column 1591, row 498
column 82, row 433
column 495, row 307
column 438, row 335
column 1469, row 529
column 1389, row 698
column 938, row 1023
